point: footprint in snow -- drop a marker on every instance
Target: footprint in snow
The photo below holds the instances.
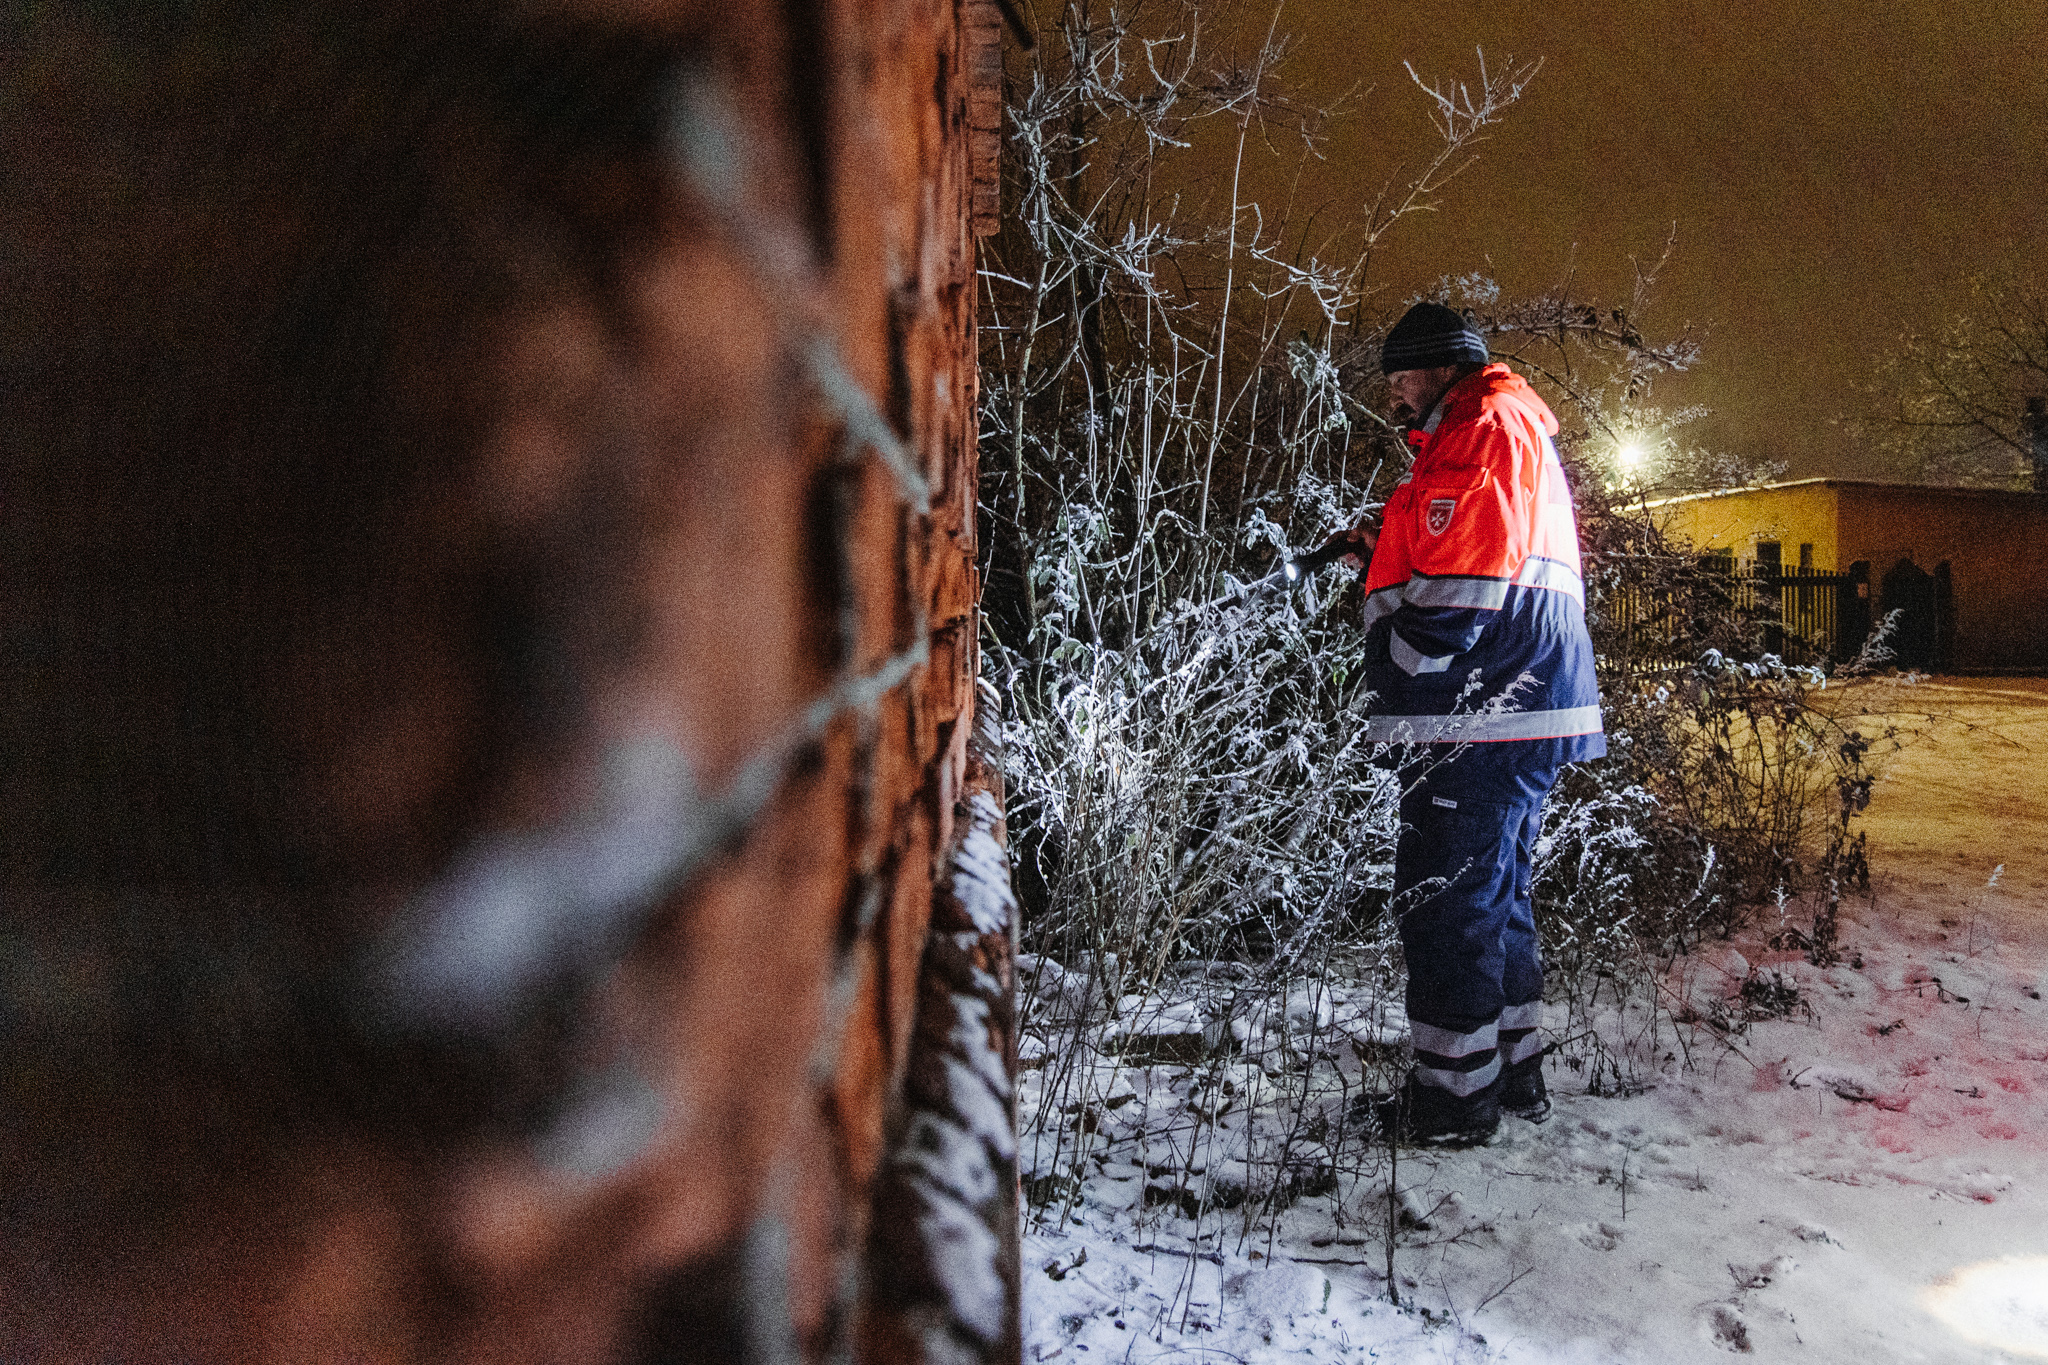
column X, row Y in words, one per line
column 1763, row 1276
column 1727, row 1329
column 1599, row 1236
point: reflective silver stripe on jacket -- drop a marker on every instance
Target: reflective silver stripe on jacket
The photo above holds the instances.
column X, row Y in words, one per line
column 1381, row 602
column 1444, row 1043
column 1488, row 593
column 1525, row 1047
column 1555, row 574
column 1460, row 1083
column 1412, row 660
column 1485, row 727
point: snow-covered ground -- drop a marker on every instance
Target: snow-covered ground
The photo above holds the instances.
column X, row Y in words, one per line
column 1863, row 1180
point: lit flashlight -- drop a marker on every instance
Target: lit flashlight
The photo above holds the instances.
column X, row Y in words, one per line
column 1332, row 550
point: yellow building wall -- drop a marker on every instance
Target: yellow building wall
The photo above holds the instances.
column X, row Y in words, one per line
column 1737, row 521
column 1993, row 542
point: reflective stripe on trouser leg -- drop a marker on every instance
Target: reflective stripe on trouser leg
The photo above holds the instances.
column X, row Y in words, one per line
column 1521, row 1017
column 1459, row 1083
column 1519, row 1039
column 1462, row 1063
column 1457, row 870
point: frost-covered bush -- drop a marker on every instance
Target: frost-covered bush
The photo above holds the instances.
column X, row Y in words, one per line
column 1737, row 750
column 1202, row 791
column 1203, row 839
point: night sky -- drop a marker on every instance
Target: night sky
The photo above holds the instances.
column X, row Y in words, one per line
column 1835, row 171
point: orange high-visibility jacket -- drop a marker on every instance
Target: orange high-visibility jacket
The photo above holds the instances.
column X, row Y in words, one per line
column 1474, row 602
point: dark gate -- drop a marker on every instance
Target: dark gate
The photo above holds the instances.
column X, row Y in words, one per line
column 1921, row 607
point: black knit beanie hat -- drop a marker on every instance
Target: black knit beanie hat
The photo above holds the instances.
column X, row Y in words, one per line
column 1429, row 335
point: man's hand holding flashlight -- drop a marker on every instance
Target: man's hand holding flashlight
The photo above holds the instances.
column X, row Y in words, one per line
column 1353, row 548
column 1356, row 546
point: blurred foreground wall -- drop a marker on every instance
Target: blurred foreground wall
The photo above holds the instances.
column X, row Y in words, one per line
column 498, row 864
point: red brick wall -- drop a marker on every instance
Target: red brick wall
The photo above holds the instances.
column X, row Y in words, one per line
column 666, row 436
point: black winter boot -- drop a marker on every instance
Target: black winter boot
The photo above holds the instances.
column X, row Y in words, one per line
column 1522, row 1092
column 1424, row 1116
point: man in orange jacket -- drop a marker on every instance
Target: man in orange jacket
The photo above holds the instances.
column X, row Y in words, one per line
column 1482, row 671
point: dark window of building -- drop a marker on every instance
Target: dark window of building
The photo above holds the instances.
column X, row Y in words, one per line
column 1806, row 556
column 1768, row 552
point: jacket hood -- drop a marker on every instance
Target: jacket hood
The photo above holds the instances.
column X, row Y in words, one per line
column 1497, row 384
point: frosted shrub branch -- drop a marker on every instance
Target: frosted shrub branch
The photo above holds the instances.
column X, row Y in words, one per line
column 1203, row 833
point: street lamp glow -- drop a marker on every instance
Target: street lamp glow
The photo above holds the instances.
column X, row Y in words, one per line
column 1629, row 455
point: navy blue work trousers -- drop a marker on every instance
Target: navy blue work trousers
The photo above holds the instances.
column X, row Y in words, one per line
column 1462, row 884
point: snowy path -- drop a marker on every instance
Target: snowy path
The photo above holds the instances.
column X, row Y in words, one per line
column 1969, row 796
column 1820, row 1190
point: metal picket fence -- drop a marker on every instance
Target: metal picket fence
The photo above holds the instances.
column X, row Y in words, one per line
column 1804, row 616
